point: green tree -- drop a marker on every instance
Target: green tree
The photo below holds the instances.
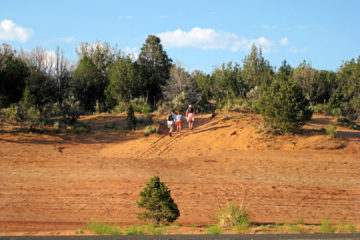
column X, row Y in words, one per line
column 90, row 78
column 256, row 70
column 285, row 71
column 204, row 82
column 13, row 74
column 156, row 199
column 88, row 84
column 41, row 87
column 156, row 65
column 309, row 80
column 228, row 82
column 125, row 81
column 348, row 78
column 284, row 106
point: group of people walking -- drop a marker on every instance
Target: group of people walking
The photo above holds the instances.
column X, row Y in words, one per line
column 177, row 119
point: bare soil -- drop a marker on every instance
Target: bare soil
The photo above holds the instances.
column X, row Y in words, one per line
column 54, row 183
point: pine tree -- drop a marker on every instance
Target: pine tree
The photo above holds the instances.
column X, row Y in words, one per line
column 156, row 199
column 284, row 106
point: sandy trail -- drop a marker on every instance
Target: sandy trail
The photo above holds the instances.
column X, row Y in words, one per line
column 59, row 181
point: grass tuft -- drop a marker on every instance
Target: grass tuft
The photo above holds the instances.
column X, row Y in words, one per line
column 151, row 129
column 214, row 229
column 134, row 230
column 103, row 228
column 331, row 130
column 232, row 215
column 326, row 227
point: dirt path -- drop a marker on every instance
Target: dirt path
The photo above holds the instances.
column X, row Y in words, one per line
column 59, row 181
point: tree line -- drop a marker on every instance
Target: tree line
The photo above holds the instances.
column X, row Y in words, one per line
column 36, row 85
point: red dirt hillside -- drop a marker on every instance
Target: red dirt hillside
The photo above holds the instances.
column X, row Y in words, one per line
column 58, row 181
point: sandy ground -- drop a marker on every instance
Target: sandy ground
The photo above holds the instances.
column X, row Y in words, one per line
column 55, row 182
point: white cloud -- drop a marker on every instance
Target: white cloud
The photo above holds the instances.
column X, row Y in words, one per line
column 9, row 31
column 284, row 41
column 206, row 38
column 133, row 53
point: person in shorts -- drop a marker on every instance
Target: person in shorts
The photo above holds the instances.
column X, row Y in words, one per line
column 190, row 116
column 170, row 123
column 179, row 119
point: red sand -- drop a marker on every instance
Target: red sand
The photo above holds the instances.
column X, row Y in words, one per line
column 57, row 182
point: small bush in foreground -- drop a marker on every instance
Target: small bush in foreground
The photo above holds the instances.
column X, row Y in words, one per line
column 156, row 199
column 351, row 228
column 331, row 130
column 151, row 129
column 214, row 229
column 232, row 215
column 103, row 228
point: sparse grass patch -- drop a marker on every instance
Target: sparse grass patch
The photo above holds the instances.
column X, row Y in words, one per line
column 262, row 128
column 151, row 129
column 134, row 230
column 351, row 228
column 155, row 230
column 79, row 231
column 277, row 227
column 214, row 229
column 327, row 227
column 294, row 228
column 331, row 130
column 264, row 228
column 232, row 215
column 243, row 226
column 103, row 228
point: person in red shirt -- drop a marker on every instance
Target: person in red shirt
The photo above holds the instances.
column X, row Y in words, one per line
column 190, row 116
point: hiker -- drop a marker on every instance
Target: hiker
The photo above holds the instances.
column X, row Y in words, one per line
column 190, row 116
column 170, row 123
column 173, row 115
column 179, row 119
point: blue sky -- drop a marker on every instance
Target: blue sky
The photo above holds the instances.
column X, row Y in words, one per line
column 200, row 34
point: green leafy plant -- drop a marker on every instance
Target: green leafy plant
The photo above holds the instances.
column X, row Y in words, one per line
column 158, row 203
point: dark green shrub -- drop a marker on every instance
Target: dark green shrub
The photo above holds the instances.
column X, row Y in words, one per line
column 158, row 203
column 131, row 119
column 284, row 106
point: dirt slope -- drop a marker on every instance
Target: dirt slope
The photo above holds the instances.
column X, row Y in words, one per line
column 59, row 181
